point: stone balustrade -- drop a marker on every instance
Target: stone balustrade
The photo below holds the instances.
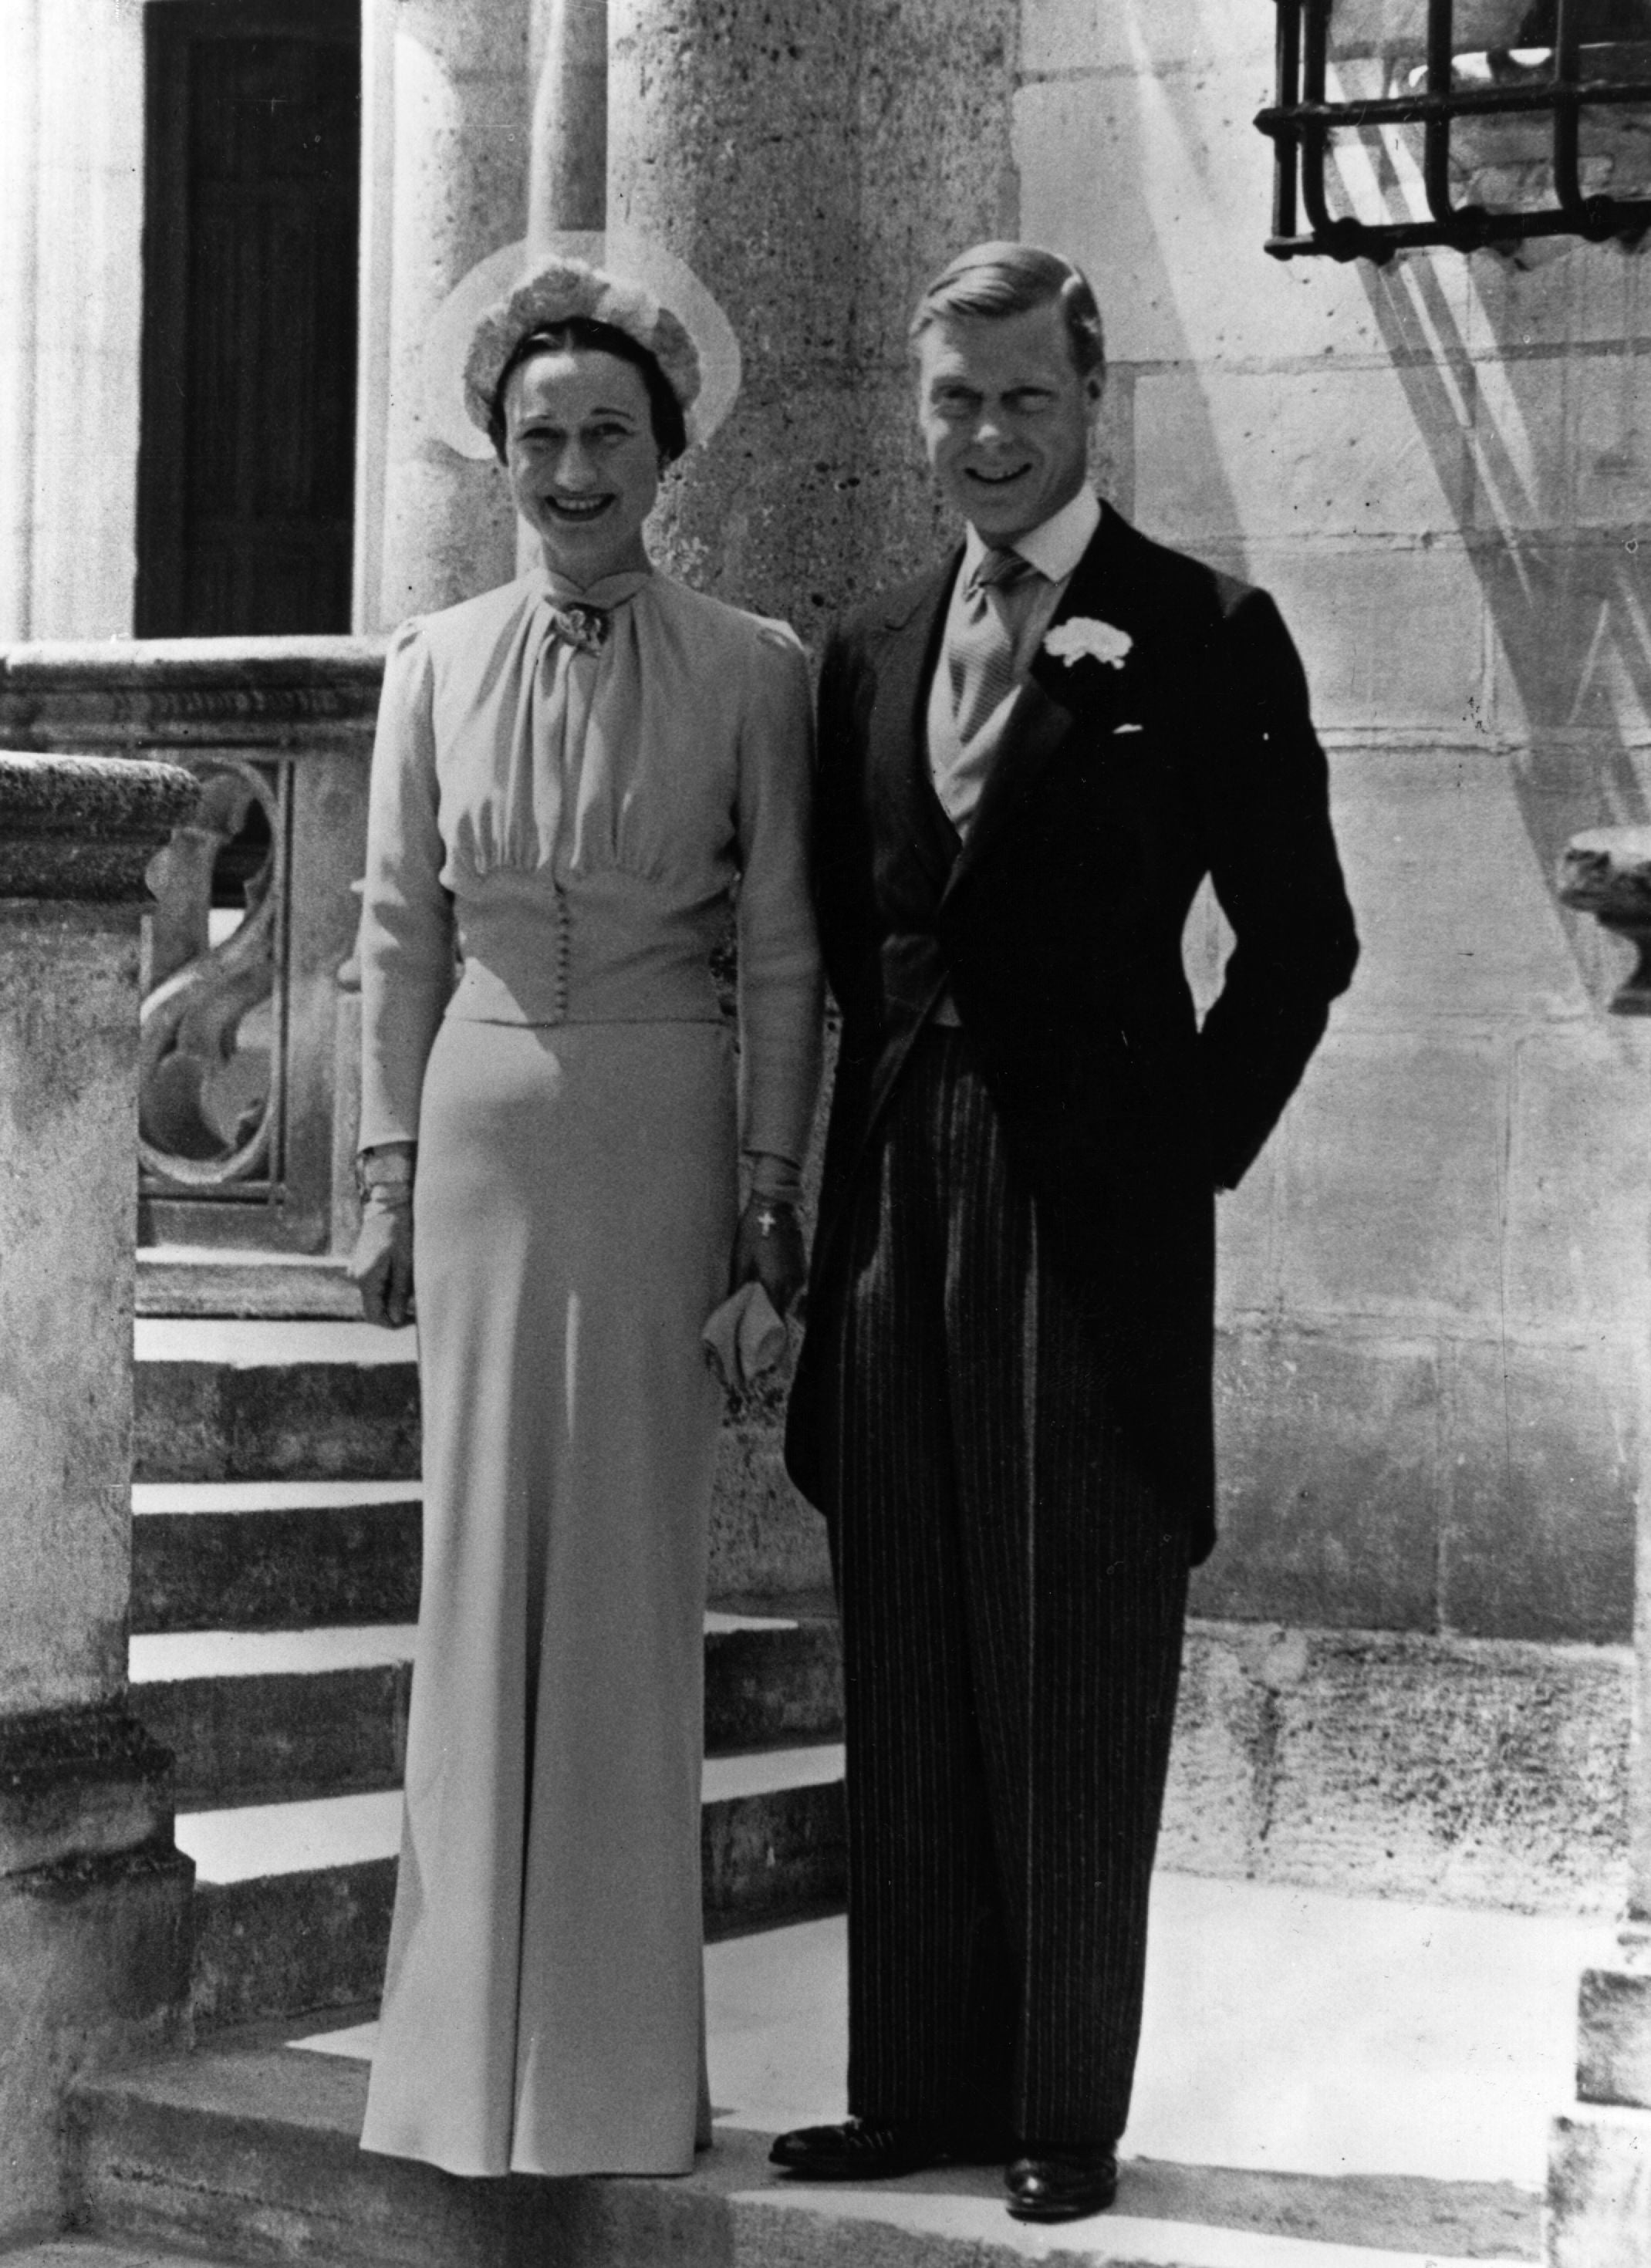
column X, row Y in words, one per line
column 93, row 1893
column 239, row 1092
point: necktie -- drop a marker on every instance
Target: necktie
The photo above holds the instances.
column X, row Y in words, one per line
column 584, row 628
column 981, row 654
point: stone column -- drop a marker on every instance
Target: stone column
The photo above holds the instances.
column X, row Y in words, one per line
column 814, row 172
column 448, row 96
column 813, row 167
column 1599, row 2160
column 94, row 1945
column 71, row 187
column 567, row 177
column 567, row 167
column 19, row 165
column 735, row 149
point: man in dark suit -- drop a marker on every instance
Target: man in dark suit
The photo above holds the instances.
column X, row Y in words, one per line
column 1030, row 758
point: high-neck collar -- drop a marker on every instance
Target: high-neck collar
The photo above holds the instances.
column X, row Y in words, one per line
column 606, row 591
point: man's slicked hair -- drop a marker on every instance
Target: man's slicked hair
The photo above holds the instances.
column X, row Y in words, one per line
column 991, row 281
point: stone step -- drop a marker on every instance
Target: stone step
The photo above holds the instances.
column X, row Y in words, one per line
column 1324, row 2082
column 257, row 1717
column 246, row 1399
column 100, row 2252
column 293, row 1900
column 260, row 1717
column 210, row 1280
column 273, row 1555
column 222, row 1400
column 252, row 2152
column 1298, row 1752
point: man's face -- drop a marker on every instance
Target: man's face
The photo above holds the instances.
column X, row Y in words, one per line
column 1005, row 417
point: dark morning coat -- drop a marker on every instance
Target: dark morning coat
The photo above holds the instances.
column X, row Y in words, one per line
column 1115, row 791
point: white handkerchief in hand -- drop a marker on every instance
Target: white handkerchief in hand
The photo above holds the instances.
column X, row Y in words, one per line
column 745, row 1336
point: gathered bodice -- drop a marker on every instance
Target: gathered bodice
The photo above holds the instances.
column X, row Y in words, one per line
column 576, row 823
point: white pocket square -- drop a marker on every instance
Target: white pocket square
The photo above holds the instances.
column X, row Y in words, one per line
column 1117, row 729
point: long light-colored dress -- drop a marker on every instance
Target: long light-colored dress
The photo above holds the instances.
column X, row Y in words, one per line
column 576, row 823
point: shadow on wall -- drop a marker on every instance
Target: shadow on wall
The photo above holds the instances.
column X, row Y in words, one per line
column 1433, row 1283
column 1557, row 480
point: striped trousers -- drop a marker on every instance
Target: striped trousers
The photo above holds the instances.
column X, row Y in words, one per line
column 1013, row 1603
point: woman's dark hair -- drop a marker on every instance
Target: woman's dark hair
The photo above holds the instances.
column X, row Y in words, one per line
column 670, row 429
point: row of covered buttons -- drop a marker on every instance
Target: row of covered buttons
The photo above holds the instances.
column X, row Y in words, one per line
column 564, row 948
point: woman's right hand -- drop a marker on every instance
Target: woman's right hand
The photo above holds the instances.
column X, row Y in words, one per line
column 381, row 1265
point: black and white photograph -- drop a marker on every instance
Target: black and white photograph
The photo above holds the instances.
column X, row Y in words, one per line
column 825, row 1133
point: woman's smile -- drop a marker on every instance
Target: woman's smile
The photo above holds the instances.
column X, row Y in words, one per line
column 583, row 460
column 576, row 508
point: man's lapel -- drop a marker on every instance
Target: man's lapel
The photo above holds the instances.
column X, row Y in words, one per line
column 1056, row 698
column 897, row 734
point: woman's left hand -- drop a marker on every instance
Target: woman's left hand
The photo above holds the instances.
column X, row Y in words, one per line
column 768, row 1249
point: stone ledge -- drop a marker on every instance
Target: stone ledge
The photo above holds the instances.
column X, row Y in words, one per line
column 1599, row 2189
column 75, row 827
column 1614, row 2038
column 254, row 2150
column 94, row 1968
column 175, row 1281
column 179, row 693
column 80, row 1785
column 1487, row 1772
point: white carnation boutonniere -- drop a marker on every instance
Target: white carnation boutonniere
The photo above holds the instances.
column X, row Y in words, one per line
column 1082, row 638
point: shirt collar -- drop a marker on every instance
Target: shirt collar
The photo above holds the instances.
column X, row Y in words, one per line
column 1055, row 546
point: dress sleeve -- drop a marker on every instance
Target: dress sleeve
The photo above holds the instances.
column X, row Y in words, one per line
column 406, row 915
column 780, row 992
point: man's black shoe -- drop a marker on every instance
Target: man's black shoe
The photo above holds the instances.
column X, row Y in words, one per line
column 860, row 2150
column 1059, row 2185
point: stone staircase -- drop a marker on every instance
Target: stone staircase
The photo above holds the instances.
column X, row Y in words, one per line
column 276, row 1560
column 275, row 1593
column 250, row 2154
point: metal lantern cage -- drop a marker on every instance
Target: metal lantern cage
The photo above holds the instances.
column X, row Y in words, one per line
column 1463, row 122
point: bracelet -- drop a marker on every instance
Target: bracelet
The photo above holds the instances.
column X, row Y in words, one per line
column 392, row 1172
column 768, row 1211
column 388, row 1196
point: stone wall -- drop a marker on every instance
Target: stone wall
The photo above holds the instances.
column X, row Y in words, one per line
column 813, row 166
column 1433, row 1288
column 95, row 1957
column 1434, row 1285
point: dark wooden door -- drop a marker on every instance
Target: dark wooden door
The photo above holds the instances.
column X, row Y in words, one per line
column 247, row 465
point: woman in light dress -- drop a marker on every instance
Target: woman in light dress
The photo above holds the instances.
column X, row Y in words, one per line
column 573, row 776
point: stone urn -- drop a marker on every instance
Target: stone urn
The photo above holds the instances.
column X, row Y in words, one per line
column 1607, row 872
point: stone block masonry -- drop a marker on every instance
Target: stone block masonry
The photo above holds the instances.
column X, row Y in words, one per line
column 1431, row 1293
column 93, row 1895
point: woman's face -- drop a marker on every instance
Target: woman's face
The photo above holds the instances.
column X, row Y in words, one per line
column 583, row 463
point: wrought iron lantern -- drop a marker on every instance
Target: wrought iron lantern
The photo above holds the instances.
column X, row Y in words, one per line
column 1468, row 122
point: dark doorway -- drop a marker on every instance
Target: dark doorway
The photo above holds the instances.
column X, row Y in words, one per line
column 246, row 471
